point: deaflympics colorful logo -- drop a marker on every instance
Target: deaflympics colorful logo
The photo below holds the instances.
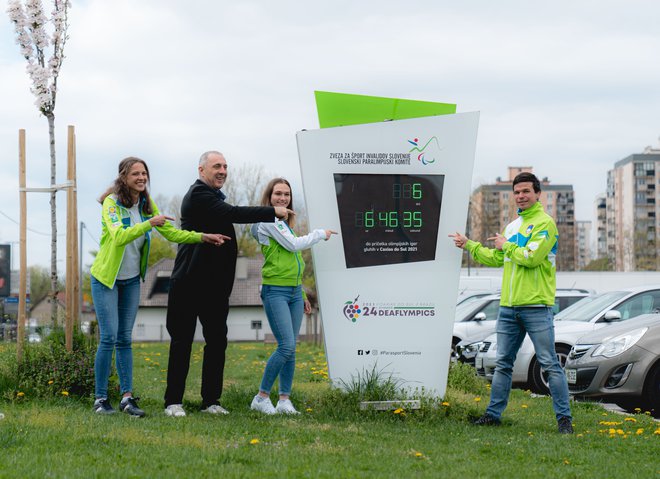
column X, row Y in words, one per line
column 352, row 310
column 423, row 155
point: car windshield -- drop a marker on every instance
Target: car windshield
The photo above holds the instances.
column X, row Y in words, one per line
column 589, row 307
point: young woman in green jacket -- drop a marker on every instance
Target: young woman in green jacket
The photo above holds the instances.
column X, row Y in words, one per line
column 282, row 294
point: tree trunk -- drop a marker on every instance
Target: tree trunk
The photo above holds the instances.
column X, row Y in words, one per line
column 53, row 221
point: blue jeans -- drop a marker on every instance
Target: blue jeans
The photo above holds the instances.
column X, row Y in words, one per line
column 284, row 309
column 116, row 309
column 512, row 325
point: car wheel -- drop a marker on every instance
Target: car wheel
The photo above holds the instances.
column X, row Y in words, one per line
column 538, row 382
column 652, row 391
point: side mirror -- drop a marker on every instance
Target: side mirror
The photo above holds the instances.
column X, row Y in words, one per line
column 481, row 316
column 612, row 315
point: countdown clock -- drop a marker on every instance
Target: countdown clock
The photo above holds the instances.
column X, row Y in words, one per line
column 388, row 218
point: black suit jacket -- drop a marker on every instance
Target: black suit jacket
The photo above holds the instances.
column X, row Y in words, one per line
column 204, row 210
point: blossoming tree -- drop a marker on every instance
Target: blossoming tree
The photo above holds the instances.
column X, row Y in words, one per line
column 39, row 36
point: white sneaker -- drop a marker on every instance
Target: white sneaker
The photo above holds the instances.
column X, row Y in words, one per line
column 263, row 405
column 175, row 410
column 215, row 409
column 284, row 406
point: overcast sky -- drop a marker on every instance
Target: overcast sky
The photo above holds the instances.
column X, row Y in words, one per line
column 566, row 87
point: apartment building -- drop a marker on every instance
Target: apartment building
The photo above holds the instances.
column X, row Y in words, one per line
column 632, row 213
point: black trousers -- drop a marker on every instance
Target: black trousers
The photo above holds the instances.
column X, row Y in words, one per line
column 187, row 301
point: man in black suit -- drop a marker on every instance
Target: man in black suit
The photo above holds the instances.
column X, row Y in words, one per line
column 202, row 281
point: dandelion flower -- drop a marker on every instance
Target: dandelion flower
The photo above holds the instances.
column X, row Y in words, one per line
column 65, row 393
column 20, row 394
column 445, row 404
column 50, row 382
column 398, row 410
column 477, row 399
column 254, row 441
column 419, row 454
column 639, row 431
column 524, row 406
column 657, row 431
column 309, row 409
column 630, row 419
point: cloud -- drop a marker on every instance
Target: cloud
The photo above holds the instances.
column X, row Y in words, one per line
column 567, row 87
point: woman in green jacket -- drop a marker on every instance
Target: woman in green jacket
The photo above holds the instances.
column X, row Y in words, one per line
column 128, row 216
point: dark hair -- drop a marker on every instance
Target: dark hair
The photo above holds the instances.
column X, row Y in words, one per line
column 526, row 177
column 121, row 190
column 268, row 192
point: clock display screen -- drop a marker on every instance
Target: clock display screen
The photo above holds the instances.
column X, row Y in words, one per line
column 388, row 218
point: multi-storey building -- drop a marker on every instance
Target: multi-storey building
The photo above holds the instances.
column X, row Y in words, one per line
column 600, row 206
column 583, row 255
column 633, row 216
column 493, row 206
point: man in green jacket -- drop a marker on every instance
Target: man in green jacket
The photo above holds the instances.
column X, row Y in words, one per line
column 527, row 251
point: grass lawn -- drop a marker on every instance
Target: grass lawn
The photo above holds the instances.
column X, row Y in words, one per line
column 331, row 438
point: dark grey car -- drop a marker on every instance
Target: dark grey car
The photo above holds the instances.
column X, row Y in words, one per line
column 619, row 364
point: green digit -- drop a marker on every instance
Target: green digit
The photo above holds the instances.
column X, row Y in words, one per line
column 382, row 219
column 417, row 219
column 368, row 219
column 417, row 191
column 407, row 219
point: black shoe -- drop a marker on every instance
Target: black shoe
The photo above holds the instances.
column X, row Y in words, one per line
column 564, row 425
column 102, row 406
column 486, row 420
column 130, row 407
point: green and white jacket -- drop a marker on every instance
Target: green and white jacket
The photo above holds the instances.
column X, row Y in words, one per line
column 528, row 258
column 283, row 263
column 117, row 232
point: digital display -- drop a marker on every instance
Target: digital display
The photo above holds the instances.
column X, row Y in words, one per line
column 388, row 218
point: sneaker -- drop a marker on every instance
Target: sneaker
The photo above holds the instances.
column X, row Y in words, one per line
column 564, row 425
column 102, row 406
column 487, row 420
column 284, row 406
column 263, row 405
column 175, row 410
column 215, row 409
column 130, row 407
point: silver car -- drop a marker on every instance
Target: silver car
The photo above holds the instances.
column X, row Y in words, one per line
column 620, row 365
column 476, row 320
column 590, row 314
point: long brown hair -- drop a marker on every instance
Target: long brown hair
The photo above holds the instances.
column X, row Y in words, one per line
column 120, row 189
column 268, row 192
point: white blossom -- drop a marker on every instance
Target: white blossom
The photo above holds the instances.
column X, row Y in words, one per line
column 32, row 35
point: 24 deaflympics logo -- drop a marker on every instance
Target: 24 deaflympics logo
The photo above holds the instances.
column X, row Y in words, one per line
column 352, row 310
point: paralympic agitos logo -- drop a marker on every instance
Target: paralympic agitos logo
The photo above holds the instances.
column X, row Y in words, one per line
column 424, row 154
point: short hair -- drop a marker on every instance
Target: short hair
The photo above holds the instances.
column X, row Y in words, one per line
column 205, row 156
column 527, row 177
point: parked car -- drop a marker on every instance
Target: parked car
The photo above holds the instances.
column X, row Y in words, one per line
column 591, row 313
column 465, row 296
column 476, row 320
column 34, row 338
column 620, row 364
